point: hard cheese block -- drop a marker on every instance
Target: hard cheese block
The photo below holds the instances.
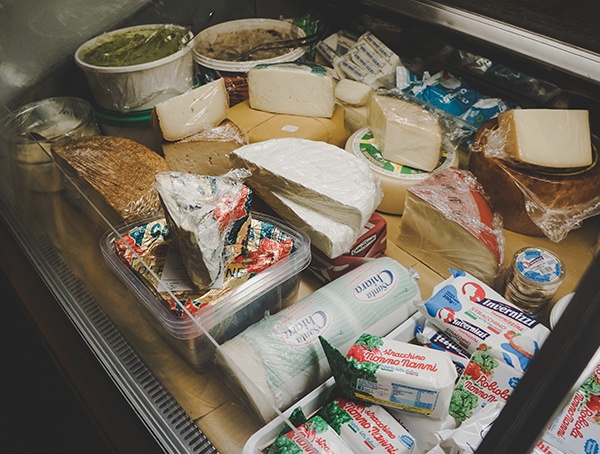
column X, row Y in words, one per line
column 320, row 176
column 116, row 175
column 447, row 223
column 292, row 88
column 207, row 152
column 209, row 219
column 261, row 125
column 406, row 133
column 557, row 202
column 556, row 138
column 278, row 360
column 184, row 115
column 352, row 92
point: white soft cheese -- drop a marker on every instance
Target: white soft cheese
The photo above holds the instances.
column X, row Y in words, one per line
column 557, row 138
column 292, row 88
column 315, row 174
column 187, row 114
column 406, row 133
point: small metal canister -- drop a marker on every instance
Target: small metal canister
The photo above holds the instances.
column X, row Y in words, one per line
column 533, row 278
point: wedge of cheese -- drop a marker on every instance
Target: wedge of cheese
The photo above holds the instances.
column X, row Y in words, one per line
column 556, row 138
column 352, row 92
column 292, row 88
column 331, row 237
column 207, row 152
column 187, row 114
column 318, row 175
column 406, row 133
column 448, row 224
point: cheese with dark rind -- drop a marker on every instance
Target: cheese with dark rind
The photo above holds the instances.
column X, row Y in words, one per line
column 116, row 174
column 448, row 224
column 510, row 188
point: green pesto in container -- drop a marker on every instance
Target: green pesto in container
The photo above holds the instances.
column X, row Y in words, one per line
column 134, row 47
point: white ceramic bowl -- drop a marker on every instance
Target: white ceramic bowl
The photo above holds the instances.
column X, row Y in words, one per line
column 141, row 86
column 209, row 35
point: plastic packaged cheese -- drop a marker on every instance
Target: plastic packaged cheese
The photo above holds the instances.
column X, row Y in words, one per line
column 278, row 360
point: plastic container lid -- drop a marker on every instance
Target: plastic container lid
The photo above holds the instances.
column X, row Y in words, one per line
column 559, row 308
column 227, row 305
column 210, row 35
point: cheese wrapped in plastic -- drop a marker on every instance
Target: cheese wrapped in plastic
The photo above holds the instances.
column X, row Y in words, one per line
column 477, row 318
column 209, row 218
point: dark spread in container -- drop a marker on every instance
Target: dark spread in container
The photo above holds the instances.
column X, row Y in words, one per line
column 134, row 47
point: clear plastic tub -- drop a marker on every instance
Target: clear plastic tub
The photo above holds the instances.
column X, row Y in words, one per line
column 269, row 291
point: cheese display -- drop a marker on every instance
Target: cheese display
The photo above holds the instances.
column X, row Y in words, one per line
column 370, row 244
column 209, row 219
column 313, row 436
column 292, row 88
column 557, row 138
column 532, row 202
column 191, row 112
column 448, row 224
column 394, row 374
column 116, row 175
column 395, row 178
column 352, row 92
column 278, row 360
column 406, row 133
column 477, row 317
column 317, row 175
column 331, row 237
column 207, row 152
column 261, row 126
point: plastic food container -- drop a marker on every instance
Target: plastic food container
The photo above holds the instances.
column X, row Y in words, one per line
column 133, row 125
column 269, row 291
column 32, row 130
column 138, row 86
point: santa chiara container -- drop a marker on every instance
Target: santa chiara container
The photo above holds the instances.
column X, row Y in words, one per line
column 533, row 278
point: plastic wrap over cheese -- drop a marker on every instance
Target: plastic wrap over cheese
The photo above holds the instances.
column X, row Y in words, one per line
column 209, row 218
column 278, row 360
column 315, row 174
column 394, row 374
column 478, row 318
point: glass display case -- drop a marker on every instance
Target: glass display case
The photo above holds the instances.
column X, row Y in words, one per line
column 59, row 240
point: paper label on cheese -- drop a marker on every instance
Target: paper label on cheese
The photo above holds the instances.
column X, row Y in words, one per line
column 315, row 436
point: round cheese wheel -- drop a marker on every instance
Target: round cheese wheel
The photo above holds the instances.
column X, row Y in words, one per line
column 509, row 188
column 395, row 178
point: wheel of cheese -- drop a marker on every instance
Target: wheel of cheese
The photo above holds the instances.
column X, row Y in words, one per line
column 395, row 178
column 509, row 187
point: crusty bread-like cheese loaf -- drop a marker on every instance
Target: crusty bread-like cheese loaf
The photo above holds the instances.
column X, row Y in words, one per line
column 116, row 174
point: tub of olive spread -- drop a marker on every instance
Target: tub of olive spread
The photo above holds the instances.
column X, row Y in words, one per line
column 136, row 67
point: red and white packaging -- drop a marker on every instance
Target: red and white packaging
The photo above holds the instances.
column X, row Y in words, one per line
column 369, row 245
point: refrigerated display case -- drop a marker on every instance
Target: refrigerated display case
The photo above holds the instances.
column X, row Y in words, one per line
column 539, row 57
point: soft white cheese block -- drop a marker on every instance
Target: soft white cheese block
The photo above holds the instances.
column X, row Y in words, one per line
column 207, row 152
column 279, row 359
column 406, row 133
column 292, row 88
column 315, row 174
column 557, row 138
column 191, row 112
column 352, row 92
column 331, row 237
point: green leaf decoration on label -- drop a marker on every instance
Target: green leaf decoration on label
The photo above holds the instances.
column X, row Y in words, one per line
column 283, row 445
column 485, row 361
column 462, row 402
column 335, row 416
column 370, row 342
column 317, row 425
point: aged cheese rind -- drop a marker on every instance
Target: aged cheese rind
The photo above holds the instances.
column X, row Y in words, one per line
column 116, row 174
column 317, row 175
column 207, row 152
column 556, row 138
column 406, row 133
column 292, row 88
column 331, row 237
column 191, row 112
column 448, row 224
